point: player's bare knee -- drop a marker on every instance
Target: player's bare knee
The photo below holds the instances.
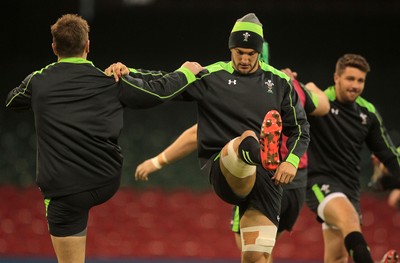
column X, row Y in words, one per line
column 252, row 256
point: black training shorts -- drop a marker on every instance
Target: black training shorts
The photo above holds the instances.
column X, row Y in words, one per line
column 265, row 196
column 68, row 215
column 319, row 187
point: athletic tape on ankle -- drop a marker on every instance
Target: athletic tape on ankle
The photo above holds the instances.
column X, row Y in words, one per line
column 236, row 166
column 264, row 242
column 156, row 163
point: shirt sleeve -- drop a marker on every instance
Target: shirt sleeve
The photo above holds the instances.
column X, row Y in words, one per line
column 380, row 143
column 311, row 100
column 295, row 126
column 139, row 93
column 146, row 74
column 19, row 98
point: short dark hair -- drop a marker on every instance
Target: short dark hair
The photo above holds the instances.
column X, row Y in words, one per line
column 352, row 60
column 70, row 34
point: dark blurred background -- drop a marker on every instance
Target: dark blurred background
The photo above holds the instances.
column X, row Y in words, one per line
column 176, row 216
column 307, row 36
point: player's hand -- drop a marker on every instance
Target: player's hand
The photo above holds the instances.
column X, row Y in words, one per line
column 290, row 73
column 194, row 67
column 118, row 70
column 394, row 198
column 379, row 171
column 144, row 169
column 285, row 173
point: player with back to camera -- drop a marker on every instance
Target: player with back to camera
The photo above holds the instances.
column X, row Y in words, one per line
column 78, row 113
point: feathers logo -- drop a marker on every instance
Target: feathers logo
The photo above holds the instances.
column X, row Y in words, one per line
column 246, row 37
column 270, row 85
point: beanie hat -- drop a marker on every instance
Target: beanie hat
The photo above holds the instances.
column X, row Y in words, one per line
column 247, row 33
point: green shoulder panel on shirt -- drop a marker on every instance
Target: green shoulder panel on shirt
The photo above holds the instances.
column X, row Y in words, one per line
column 41, row 70
column 221, row 65
column 266, row 67
column 29, row 81
column 364, row 103
column 330, row 93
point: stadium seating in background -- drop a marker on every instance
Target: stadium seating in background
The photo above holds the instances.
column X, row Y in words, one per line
column 180, row 224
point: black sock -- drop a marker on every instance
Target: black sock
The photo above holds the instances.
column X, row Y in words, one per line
column 358, row 248
column 249, row 151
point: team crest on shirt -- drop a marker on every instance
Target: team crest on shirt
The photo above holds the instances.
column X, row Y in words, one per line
column 270, row 85
column 363, row 118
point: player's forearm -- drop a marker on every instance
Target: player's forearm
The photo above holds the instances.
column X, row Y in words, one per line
column 185, row 144
column 323, row 105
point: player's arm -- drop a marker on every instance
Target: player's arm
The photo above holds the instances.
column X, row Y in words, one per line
column 381, row 145
column 296, row 128
column 118, row 69
column 379, row 171
column 316, row 103
column 394, row 198
column 19, row 98
column 318, row 98
column 138, row 93
column 185, row 144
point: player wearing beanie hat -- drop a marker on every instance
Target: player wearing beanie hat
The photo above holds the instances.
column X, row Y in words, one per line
column 247, row 33
column 236, row 100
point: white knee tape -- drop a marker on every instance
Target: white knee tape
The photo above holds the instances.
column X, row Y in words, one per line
column 325, row 201
column 258, row 238
column 322, row 205
column 236, row 166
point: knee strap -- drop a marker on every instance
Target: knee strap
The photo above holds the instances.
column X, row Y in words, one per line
column 321, row 207
column 236, row 166
column 258, row 238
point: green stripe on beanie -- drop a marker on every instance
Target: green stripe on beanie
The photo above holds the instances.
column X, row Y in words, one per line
column 248, row 26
